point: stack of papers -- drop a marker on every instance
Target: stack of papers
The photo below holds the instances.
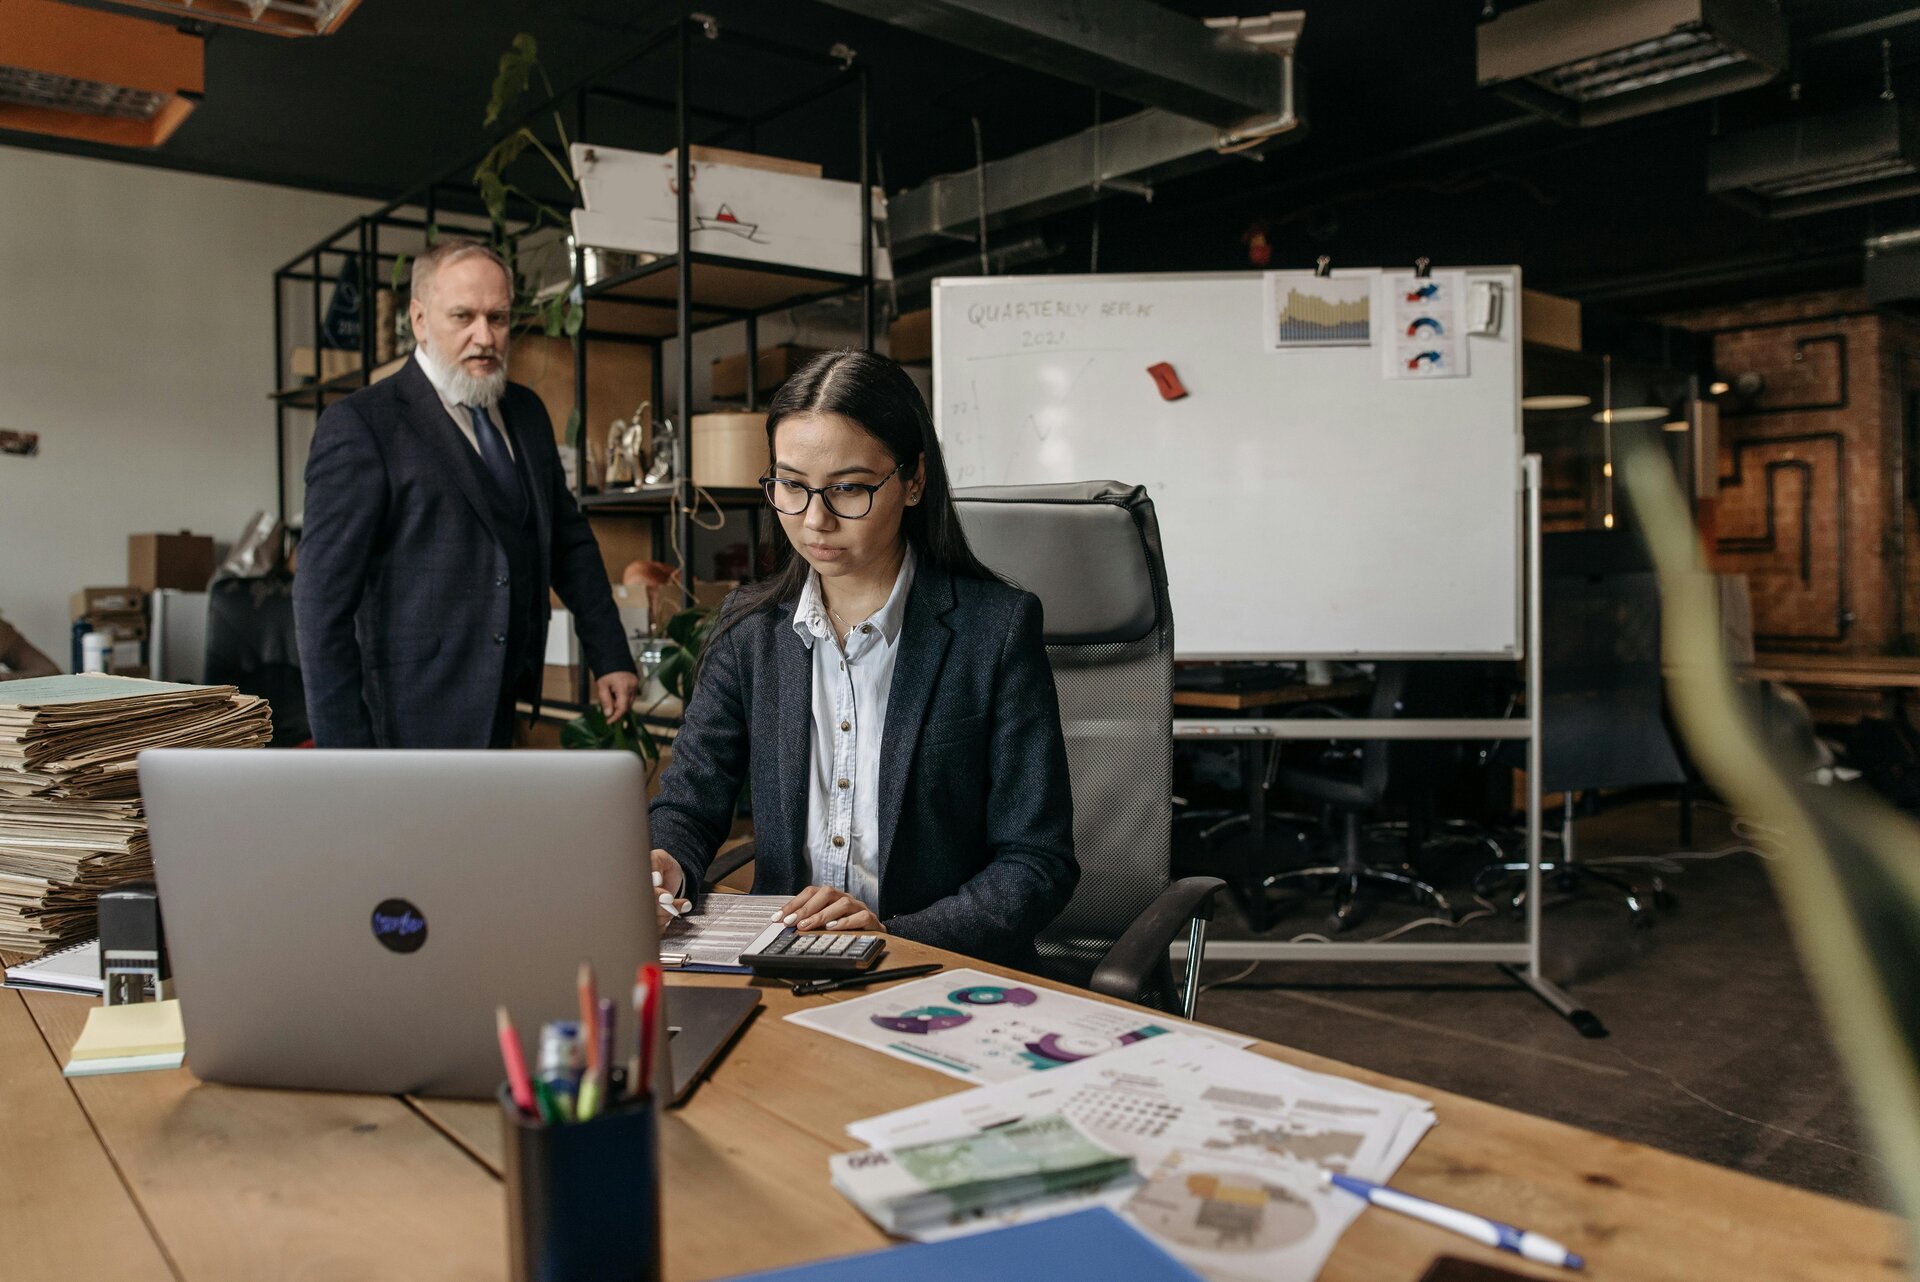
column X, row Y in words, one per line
column 129, row 1039
column 1229, row 1146
column 925, row 1186
column 725, row 927
column 71, row 824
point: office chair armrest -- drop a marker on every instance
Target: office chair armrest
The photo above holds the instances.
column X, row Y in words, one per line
column 728, row 862
column 1134, row 963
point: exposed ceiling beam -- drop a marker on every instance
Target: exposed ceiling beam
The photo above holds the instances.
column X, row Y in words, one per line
column 1132, row 48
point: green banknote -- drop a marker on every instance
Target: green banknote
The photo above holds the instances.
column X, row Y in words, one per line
column 914, row 1187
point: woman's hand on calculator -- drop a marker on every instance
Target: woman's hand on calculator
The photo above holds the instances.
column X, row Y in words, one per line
column 823, row 907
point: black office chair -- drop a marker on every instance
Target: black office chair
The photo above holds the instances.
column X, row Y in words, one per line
column 1351, row 785
column 1603, row 719
column 1091, row 552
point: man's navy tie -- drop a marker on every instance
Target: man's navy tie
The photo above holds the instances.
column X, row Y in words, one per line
column 493, row 452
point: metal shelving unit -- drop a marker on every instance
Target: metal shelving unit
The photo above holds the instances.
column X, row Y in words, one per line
column 670, row 298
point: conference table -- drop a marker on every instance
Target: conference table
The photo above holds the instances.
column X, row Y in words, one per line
column 158, row 1176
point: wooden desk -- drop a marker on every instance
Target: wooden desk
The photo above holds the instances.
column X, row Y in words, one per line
column 154, row 1175
column 1252, row 698
column 1838, row 672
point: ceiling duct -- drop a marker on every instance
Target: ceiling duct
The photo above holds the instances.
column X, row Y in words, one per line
column 1592, row 62
column 279, row 17
column 1818, row 163
column 1125, row 155
column 1892, row 272
column 99, row 77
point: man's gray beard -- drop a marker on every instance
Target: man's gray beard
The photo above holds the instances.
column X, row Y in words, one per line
column 471, row 389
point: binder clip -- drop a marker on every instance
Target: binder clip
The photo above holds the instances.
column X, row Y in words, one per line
column 1423, row 267
column 1323, row 266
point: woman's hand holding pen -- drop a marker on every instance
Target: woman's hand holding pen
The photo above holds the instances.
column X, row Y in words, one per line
column 822, row 907
column 669, row 881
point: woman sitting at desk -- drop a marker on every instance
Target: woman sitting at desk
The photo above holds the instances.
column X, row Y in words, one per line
column 888, row 696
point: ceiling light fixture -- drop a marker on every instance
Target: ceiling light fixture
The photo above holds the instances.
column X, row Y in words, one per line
column 1632, row 414
column 1556, row 401
column 1817, row 163
column 94, row 76
column 1583, row 63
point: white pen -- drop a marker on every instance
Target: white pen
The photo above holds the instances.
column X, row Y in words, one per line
column 1532, row 1246
column 667, row 905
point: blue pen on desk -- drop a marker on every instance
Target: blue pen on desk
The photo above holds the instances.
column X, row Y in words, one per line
column 1531, row 1246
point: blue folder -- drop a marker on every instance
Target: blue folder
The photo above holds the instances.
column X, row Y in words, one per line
column 1087, row 1246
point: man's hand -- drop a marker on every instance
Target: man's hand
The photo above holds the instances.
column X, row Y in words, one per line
column 616, row 692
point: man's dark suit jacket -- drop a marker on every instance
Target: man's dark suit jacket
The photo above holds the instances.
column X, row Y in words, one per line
column 976, row 812
column 402, row 597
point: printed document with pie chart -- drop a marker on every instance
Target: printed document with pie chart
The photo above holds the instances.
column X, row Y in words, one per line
column 1228, row 1146
column 983, row 1028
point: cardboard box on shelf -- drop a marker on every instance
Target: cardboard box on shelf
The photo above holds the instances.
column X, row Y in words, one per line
column 711, row 592
column 776, row 365
column 128, row 655
column 729, row 450
column 91, row 601
column 122, row 627
column 910, row 338
column 1549, row 320
column 748, row 160
column 335, row 361
column 560, row 682
column 739, row 211
column 183, row 561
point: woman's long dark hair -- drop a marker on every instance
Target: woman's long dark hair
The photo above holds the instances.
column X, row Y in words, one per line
column 875, row 393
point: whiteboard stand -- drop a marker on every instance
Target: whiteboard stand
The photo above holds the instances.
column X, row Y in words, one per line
column 1521, row 959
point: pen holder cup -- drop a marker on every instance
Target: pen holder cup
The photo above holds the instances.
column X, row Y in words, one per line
column 583, row 1200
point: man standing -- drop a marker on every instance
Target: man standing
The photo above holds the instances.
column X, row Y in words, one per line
column 437, row 518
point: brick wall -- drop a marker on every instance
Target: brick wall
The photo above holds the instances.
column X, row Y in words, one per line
column 1810, row 505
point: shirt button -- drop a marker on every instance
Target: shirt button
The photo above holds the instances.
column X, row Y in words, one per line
column 846, row 725
column 499, row 638
column 839, row 841
column 500, row 582
column 846, row 783
column 866, row 627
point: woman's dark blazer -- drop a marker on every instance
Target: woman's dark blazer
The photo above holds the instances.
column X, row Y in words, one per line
column 976, row 812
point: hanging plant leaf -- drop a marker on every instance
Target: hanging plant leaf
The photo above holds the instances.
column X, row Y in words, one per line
column 517, row 66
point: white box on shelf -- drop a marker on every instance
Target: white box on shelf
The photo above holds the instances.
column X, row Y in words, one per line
column 755, row 214
column 563, row 648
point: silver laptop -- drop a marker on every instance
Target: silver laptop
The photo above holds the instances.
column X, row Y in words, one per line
column 348, row 920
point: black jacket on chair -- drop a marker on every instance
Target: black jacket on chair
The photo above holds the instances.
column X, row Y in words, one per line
column 411, row 625
column 976, row 811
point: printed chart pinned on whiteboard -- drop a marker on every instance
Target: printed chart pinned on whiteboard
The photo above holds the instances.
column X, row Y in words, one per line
column 1303, row 309
column 1426, row 323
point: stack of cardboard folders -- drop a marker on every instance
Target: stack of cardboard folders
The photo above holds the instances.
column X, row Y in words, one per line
column 71, row 822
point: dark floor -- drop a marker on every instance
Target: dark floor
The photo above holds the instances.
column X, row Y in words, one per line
column 1717, row 1049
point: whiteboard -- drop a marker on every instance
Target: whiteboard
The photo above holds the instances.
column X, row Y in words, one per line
column 1310, row 506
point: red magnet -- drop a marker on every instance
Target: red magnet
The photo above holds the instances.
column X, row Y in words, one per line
column 1171, row 388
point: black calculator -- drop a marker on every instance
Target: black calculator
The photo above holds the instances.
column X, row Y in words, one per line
column 793, row 953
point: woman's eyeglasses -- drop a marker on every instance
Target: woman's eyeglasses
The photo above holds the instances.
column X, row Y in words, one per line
column 848, row 500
